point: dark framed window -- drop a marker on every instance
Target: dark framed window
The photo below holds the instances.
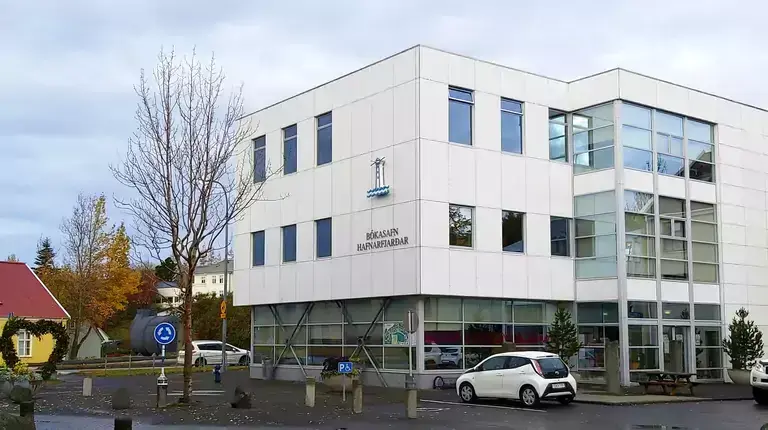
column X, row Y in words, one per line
column 560, row 236
column 460, row 225
column 260, row 159
column 257, row 239
column 289, row 243
column 324, row 234
column 512, row 231
column 289, row 149
column 460, row 102
column 511, row 126
column 558, row 136
column 324, row 138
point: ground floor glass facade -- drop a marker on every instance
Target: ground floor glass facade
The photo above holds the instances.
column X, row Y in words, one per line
column 457, row 333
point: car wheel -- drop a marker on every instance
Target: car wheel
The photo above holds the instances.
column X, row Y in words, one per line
column 467, row 393
column 243, row 361
column 529, row 397
column 565, row 400
column 760, row 396
column 200, row 362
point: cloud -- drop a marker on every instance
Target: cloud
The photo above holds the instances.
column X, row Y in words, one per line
column 69, row 67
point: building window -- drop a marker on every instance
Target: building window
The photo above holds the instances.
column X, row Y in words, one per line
column 595, row 234
column 705, row 312
column 704, row 242
column 593, row 138
column 511, row 126
column 460, row 103
column 700, row 150
column 640, row 243
column 674, row 245
column 24, row 343
column 636, row 137
column 213, row 279
column 289, row 149
column 675, row 311
column 221, row 279
column 323, row 230
column 512, row 231
column 289, row 243
column 558, row 136
column 709, row 352
column 260, row 159
column 460, row 225
column 202, row 279
column 642, row 310
column 324, row 138
column 257, row 239
column 643, row 347
column 669, row 144
column 560, row 236
column 597, row 325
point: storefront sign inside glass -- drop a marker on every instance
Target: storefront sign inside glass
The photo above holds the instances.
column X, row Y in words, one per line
column 378, row 239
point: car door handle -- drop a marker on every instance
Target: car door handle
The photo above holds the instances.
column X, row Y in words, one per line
column 499, row 374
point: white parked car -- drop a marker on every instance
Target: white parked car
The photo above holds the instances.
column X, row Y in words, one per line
column 759, row 381
column 209, row 352
column 528, row 376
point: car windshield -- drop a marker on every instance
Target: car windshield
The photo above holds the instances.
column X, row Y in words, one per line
column 551, row 364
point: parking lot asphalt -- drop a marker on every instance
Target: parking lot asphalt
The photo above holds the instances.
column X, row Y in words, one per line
column 279, row 404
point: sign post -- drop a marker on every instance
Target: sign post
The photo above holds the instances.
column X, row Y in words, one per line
column 345, row 368
column 411, row 323
column 164, row 334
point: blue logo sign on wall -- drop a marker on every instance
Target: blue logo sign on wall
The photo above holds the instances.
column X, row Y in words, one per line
column 345, row 367
column 379, row 188
column 165, row 333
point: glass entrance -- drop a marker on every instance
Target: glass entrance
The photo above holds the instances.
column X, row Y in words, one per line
column 675, row 346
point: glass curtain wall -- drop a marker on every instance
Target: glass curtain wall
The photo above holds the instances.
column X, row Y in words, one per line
column 460, row 333
column 593, row 137
column 598, row 324
column 595, row 233
column 325, row 333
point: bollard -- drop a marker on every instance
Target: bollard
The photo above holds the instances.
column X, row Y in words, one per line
column 87, row 387
column 162, row 391
column 27, row 409
column 123, row 423
column 217, row 374
column 411, row 398
column 309, row 399
column 357, row 396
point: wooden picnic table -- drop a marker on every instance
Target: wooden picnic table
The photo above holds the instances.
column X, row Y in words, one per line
column 672, row 380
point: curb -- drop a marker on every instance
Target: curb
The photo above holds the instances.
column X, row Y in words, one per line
column 657, row 402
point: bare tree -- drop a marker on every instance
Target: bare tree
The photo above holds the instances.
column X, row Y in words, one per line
column 188, row 169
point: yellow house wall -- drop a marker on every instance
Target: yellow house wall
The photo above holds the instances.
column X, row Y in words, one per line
column 41, row 348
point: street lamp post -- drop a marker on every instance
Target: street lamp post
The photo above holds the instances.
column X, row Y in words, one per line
column 226, row 279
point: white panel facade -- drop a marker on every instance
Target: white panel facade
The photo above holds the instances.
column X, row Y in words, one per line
column 399, row 110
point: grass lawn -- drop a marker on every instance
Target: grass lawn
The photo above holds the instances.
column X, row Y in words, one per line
column 100, row 373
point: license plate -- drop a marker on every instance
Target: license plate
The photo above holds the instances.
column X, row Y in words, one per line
column 556, row 386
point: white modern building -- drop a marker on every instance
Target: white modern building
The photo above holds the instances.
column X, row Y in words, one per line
column 638, row 204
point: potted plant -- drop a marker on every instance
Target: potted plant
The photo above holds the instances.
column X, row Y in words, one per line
column 744, row 346
column 6, row 381
column 563, row 338
column 330, row 376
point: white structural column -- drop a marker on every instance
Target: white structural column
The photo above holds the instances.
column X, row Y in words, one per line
column 621, row 255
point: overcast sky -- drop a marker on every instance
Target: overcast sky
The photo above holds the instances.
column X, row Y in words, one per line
column 67, row 67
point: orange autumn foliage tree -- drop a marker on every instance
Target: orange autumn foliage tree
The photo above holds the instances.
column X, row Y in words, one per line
column 96, row 279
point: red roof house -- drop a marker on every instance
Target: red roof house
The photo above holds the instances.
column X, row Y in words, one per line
column 22, row 294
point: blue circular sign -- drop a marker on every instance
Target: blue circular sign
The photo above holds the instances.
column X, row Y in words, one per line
column 165, row 333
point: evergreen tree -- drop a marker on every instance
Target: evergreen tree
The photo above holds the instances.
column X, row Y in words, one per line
column 166, row 270
column 745, row 344
column 12, row 258
column 45, row 255
column 563, row 336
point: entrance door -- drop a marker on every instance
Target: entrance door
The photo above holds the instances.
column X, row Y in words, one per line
column 675, row 348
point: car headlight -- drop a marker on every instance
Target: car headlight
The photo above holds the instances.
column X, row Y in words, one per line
column 759, row 367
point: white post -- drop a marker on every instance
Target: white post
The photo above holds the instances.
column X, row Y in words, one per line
column 162, row 368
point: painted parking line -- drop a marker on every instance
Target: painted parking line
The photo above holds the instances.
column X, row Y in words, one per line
column 199, row 393
column 480, row 405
